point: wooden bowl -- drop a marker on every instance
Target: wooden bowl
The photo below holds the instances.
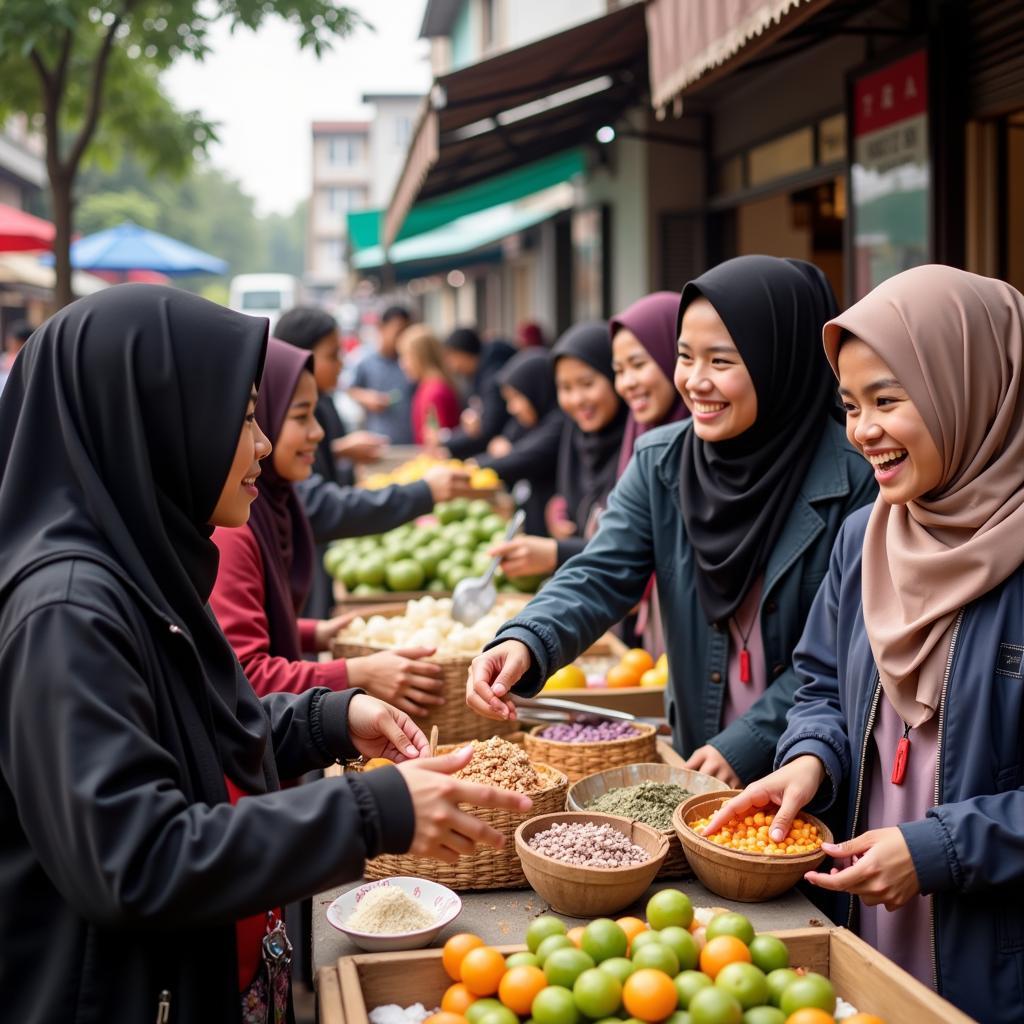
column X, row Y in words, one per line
column 583, row 793
column 589, row 892
column 744, row 877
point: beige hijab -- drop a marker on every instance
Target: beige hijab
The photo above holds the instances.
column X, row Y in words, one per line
column 955, row 341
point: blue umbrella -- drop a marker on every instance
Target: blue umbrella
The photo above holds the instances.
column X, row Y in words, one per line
column 130, row 247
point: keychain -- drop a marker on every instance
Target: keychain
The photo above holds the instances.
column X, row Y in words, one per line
column 277, row 958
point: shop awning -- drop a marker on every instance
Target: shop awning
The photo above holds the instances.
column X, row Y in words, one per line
column 519, row 107
column 20, row 270
column 695, row 42
column 364, row 226
column 460, row 238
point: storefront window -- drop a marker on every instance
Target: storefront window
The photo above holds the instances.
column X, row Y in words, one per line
column 890, row 173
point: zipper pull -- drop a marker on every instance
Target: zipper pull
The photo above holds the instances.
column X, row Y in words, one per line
column 744, row 666
column 899, row 765
column 163, row 1008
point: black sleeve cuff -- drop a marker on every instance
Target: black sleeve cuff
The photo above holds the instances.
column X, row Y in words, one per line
column 394, row 823
column 330, row 724
column 569, row 547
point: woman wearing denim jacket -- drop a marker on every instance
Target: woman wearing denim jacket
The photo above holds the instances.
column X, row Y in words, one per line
column 735, row 513
column 911, row 715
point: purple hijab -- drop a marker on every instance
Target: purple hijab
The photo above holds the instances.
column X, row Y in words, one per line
column 277, row 519
column 653, row 320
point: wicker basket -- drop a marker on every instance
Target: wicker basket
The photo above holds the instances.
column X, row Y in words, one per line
column 455, row 722
column 485, row 868
column 578, row 760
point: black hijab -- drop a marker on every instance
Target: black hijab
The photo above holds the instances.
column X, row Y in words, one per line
column 118, row 426
column 282, row 530
column 588, row 463
column 531, row 372
column 736, row 494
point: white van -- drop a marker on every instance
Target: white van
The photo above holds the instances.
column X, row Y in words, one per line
column 266, row 295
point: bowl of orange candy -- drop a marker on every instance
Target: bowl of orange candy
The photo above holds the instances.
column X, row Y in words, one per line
column 740, row 861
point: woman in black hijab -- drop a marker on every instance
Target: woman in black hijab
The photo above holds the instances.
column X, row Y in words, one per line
column 588, row 451
column 527, row 449
column 130, row 866
column 734, row 511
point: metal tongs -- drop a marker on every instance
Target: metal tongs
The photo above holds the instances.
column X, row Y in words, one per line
column 555, row 709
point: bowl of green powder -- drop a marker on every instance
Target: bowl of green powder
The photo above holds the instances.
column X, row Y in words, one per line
column 403, row 912
column 648, row 793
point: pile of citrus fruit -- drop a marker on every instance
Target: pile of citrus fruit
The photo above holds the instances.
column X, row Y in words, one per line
column 432, row 554
column 750, row 834
column 636, row 668
column 665, row 969
column 409, row 472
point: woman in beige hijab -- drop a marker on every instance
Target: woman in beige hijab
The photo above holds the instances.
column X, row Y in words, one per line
column 912, row 709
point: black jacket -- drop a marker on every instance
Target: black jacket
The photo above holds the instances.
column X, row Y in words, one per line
column 494, row 415
column 123, row 868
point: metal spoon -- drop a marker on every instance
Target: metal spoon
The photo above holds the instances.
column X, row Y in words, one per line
column 474, row 596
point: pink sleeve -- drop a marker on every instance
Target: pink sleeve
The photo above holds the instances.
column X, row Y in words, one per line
column 237, row 602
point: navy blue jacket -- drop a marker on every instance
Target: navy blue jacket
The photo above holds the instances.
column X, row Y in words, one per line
column 968, row 850
column 642, row 532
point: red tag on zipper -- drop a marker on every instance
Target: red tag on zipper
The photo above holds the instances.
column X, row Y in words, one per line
column 744, row 666
column 899, row 765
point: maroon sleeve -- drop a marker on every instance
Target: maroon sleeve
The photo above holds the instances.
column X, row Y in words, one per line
column 237, row 602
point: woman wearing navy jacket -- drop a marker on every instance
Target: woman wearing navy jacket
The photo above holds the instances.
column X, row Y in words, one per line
column 912, row 708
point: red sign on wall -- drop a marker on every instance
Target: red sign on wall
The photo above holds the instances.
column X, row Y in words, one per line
column 895, row 93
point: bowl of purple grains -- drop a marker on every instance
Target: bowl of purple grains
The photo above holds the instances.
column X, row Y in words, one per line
column 598, row 730
column 586, row 746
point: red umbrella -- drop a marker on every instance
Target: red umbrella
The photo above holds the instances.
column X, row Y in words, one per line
column 20, row 231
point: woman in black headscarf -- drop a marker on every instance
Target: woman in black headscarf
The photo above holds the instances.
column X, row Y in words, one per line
column 527, row 449
column 734, row 511
column 588, row 452
column 129, row 732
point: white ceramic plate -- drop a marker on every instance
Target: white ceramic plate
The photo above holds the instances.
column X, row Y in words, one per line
column 439, row 900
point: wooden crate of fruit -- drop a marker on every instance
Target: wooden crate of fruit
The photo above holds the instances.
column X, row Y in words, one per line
column 353, row 986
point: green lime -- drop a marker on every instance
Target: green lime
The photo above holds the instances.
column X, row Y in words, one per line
column 683, row 944
column 810, row 990
column 715, row 1006
column 477, row 1009
column 764, row 1015
column 688, row 984
column 499, row 1015
column 456, row 574
column 597, row 993
column 365, row 588
column 542, row 927
column 564, row 966
column 769, row 953
column 436, row 586
column 669, row 907
column 618, row 967
column 658, row 956
column 679, row 1017
column 778, row 981
column 733, row 924
column 550, row 944
column 604, row 939
column 349, row 572
column 481, row 562
column 406, row 574
column 553, row 1005
column 745, row 982
column 643, row 939
column 427, row 562
column 333, row 557
column 494, row 524
column 445, row 513
column 478, row 509
column 372, row 570
column 523, row 959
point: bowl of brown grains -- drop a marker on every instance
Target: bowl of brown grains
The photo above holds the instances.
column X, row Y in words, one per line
column 394, row 913
column 587, row 864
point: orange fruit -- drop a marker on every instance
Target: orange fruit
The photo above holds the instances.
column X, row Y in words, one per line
column 864, row 1018
column 722, row 950
column 446, row 1018
column 519, row 986
column 455, row 949
column 457, row 998
column 632, row 926
column 623, row 675
column 812, row 1015
column 378, row 762
column 482, row 969
column 649, row 995
column 638, row 659
column 576, row 935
